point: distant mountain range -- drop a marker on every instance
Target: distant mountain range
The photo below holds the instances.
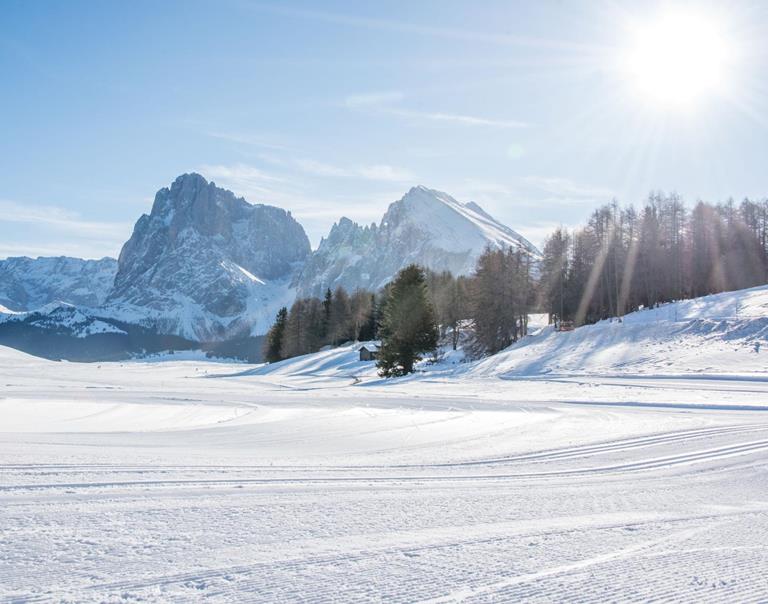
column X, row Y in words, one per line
column 207, row 269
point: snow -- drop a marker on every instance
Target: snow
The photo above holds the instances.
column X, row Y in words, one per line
column 28, row 283
column 182, row 315
column 6, row 311
column 620, row 479
column 719, row 334
column 452, row 223
column 56, row 315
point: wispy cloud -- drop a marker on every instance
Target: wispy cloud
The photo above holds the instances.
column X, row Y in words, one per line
column 457, row 118
column 389, row 103
column 386, row 173
column 382, row 172
column 247, row 139
column 391, row 25
column 318, row 168
column 246, row 180
column 60, row 219
column 79, row 237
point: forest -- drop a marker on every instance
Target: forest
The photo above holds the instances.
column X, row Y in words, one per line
column 623, row 259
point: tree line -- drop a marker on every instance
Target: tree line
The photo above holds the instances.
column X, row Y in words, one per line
column 493, row 304
column 624, row 259
column 311, row 323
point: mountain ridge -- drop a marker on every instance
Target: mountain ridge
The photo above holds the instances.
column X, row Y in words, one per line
column 206, row 265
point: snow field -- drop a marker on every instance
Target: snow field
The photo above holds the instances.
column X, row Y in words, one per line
column 589, row 476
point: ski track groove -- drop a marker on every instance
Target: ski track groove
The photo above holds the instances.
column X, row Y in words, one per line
column 652, row 463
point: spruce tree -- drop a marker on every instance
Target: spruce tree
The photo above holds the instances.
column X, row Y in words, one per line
column 274, row 342
column 327, row 303
column 369, row 328
column 408, row 328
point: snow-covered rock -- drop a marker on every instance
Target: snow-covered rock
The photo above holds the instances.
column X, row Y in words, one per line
column 426, row 227
column 207, row 265
column 29, row 283
column 61, row 317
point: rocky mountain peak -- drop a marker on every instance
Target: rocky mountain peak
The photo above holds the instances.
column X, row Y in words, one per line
column 425, row 226
column 203, row 257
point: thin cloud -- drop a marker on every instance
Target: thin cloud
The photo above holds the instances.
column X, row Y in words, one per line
column 317, row 168
column 391, row 25
column 387, row 103
column 246, row 139
column 65, row 232
column 381, row 172
column 385, row 173
column 457, row 118
column 243, row 179
column 59, row 219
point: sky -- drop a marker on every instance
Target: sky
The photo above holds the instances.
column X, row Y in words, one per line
column 539, row 111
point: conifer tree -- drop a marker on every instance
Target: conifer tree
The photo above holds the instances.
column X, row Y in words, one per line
column 369, row 327
column 274, row 342
column 408, row 328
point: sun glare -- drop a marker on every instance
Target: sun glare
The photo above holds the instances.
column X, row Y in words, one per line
column 677, row 60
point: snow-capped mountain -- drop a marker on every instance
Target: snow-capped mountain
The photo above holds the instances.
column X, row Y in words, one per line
column 427, row 227
column 207, row 265
column 29, row 283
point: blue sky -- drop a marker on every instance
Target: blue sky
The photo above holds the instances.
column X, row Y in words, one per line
column 337, row 108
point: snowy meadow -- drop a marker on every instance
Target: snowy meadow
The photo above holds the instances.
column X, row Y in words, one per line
column 643, row 478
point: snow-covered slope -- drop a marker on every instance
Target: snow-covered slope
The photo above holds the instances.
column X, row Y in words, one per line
column 720, row 334
column 207, row 265
column 427, row 227
column 59, row 317
column 29, row 283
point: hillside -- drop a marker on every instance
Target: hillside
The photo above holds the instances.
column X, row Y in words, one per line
column 719, row 334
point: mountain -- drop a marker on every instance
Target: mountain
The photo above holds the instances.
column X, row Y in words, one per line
column 427, row 227
column 29, row 283
column 207, row 269
column 207, row 265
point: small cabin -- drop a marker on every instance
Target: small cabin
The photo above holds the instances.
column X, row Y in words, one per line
column 366, row 354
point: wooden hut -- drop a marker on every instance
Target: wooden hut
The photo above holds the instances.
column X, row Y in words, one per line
column 366, row 354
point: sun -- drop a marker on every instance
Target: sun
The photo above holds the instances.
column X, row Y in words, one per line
column 677, row 60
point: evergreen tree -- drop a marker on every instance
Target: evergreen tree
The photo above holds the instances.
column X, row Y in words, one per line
column 408, row 328
column 361, row 306
column 340, row 320
column 327, row 302
column 274, row 342
column 554, row 272
column 369, row 328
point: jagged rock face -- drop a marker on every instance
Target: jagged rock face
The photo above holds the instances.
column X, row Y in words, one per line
column 29, row 283
column 426, row 227
column 207, row 265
